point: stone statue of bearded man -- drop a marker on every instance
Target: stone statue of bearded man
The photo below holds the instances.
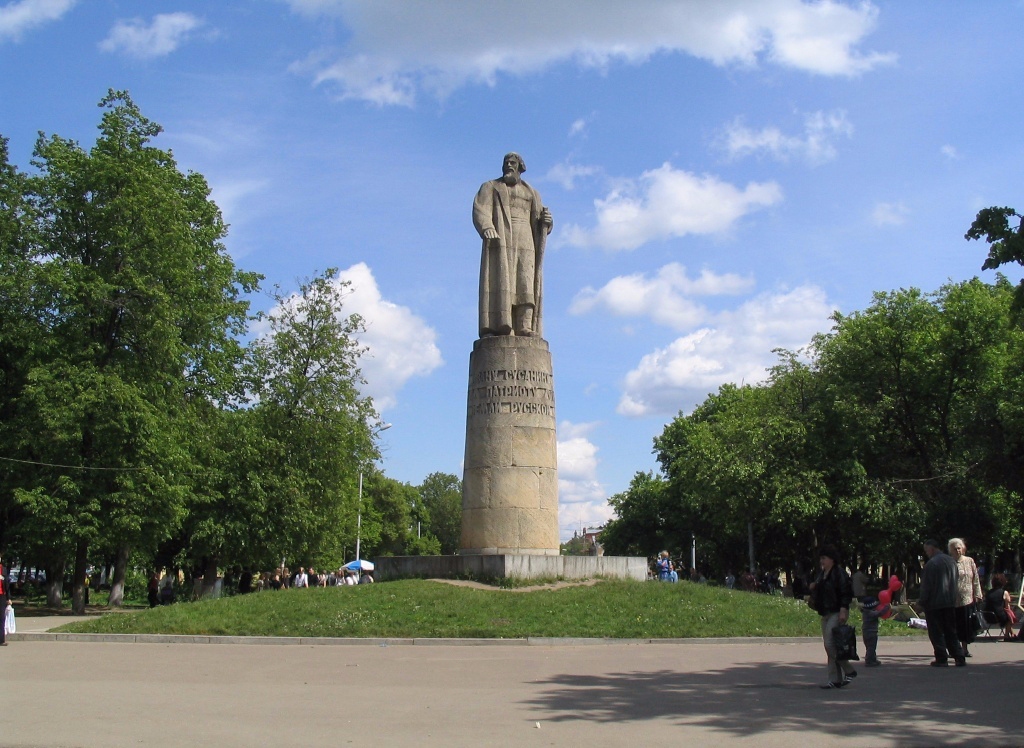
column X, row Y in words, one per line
column 514, row 224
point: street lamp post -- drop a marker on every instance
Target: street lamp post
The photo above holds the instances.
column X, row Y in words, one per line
column 359, row 506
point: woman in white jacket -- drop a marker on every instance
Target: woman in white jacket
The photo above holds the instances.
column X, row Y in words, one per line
column 968, row 592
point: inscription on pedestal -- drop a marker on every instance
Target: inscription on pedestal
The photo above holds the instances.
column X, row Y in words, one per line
column 511, row 392
column 510, row 474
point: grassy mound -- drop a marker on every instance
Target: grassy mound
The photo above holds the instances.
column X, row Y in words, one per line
column 419, row 608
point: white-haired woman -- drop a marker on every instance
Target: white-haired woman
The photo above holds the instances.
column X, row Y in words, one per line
column 968, row 592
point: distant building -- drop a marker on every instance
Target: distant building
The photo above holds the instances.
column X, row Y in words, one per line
column 584, row 543
column 591, row 541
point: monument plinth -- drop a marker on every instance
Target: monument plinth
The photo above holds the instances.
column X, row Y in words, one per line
column 510, row 479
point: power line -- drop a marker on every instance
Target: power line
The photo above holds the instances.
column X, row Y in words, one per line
column 73, row 467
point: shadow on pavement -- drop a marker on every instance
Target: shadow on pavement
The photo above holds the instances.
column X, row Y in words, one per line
column 903, row 702
column 21, row 610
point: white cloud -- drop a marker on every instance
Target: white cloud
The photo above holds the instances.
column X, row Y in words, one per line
column 735, row 347
column 949, row 152
column 234, row 198
column 19, row 17
column 664, row 298
column 667, row 202
column 581, row 497
column 566, row 174
column 815, row 145
column 398, row 49
column 401, row 345
column 578, row 127
column 890, row 214
column 163, row 35
column 577, row 515
column 577, row 456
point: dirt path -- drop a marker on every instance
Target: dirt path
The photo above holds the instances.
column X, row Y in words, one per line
column 531, row 588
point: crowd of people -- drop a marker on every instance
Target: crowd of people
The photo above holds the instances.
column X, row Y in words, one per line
column 162, row 587
column 665, row 569
column 312, row 578
column 951, row 598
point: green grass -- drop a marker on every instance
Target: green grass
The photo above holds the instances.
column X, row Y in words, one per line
column 418, row 608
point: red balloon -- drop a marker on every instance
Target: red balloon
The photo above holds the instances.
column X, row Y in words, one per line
column 894, row 583
column 887, row 612
column 885, row 597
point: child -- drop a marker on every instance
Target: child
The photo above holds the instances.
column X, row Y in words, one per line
column 871, row 610
column 8, row 620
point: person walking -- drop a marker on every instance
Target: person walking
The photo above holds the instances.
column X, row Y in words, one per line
column 997, row 602
column 859, row 580
column 871, row 610
column 938, row 598
column 153, row 589
column 3, row 600
column 831, row 594
column 969, row 592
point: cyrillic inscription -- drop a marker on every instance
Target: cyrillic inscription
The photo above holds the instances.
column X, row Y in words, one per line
column 511, row 392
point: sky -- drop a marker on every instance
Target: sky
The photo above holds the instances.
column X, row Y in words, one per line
column 723, row 175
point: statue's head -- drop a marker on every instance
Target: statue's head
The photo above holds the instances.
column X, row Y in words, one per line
column 515, row 161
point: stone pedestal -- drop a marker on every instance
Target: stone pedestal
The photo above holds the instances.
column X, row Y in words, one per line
column 510, row 479
column 499, row 566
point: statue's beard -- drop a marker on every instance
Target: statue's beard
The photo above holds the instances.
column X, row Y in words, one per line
column 511, row 178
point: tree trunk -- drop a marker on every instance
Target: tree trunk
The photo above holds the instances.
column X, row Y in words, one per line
column 209, row 576
column 750, row 546
column 55, row 583
column 78, row 583
column 120, row 570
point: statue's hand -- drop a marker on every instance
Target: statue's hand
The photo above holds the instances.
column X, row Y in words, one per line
column 490, row 234
column 545, row 217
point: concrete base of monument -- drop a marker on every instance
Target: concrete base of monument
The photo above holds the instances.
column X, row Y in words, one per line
column 509, row 566
column 510, row 474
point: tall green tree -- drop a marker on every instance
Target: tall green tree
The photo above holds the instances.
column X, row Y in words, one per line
column 737, row 463
column 388, row 518
column 297, row 439
column 903, row 421
column 920, row 377
column 440, row 503
column 645, row 521
column 140, row 304
column 18, row 326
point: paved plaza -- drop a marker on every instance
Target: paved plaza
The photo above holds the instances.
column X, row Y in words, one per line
column 69, row 693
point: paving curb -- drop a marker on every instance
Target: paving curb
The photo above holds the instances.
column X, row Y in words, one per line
column 532, row 641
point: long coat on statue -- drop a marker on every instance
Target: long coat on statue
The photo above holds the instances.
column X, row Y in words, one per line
column 510, row 264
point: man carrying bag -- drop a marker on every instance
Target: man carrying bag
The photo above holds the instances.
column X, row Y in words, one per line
column 831, row 595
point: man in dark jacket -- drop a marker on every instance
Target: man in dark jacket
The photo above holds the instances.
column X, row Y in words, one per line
column 938, row 598
column 831, row 593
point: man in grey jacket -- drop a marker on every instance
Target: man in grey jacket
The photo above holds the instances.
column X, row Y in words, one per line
column 938, row 598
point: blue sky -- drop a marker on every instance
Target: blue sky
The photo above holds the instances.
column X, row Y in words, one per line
column 723, row 174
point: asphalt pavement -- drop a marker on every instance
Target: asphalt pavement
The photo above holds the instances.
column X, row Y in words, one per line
column 482, row 693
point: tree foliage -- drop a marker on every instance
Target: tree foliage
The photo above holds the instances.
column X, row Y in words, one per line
column 132, row 302
column 1006, row 242
column 440, row 509
column 903, row 421
column 133, row 416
